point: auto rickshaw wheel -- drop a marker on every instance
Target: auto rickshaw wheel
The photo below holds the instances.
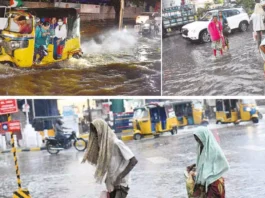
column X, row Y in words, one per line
column 174, row 131
column 9, row 64
column 255, row 120
column 137, row 136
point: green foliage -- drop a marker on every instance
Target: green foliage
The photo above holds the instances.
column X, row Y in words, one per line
column 247, row 4
column 137, row 2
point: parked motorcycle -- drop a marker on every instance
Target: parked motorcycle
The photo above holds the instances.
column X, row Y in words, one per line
column 54, row 146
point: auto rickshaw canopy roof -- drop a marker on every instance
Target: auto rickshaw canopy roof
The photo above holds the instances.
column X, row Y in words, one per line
column 182, row 102
column 50, row 12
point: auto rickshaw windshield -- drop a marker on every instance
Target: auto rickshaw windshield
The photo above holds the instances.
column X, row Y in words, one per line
column 198, row 106
column 248, row 101
column 140, row 113
column 19, row 24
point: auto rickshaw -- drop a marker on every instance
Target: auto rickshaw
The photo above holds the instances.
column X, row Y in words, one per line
column 189, row 113
column 153, row 119
column 17, row 46
column 235, row 111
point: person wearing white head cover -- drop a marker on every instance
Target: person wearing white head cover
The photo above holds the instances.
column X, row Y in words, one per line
column 210, row 167
column 258, row 22
column 112, row 158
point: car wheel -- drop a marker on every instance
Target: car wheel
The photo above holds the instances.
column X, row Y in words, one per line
column 243, row 26
column 205, row 36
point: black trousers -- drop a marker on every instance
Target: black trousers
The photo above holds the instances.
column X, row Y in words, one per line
column 120, row 192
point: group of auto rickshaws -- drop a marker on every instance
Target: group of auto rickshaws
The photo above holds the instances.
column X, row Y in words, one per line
column 17, row 46
column 236, row 111
column 159, row 117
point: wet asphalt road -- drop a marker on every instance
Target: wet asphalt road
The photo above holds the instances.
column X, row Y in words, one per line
column 159, row 173
column 189, row 68
column 114, row 63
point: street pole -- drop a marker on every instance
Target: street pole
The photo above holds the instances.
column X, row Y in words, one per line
column 121, row 14
column 27, row 113
column 89, row 111
column 33, row 108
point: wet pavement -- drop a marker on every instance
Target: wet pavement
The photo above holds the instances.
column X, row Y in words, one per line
column 159, row 173
column 114, row 63
column 189, row 68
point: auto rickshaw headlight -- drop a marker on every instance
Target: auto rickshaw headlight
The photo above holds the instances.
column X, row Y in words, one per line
column 18, row 44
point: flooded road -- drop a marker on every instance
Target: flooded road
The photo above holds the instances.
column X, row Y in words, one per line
column 114, row 63
column 189, row 69
column 159, row 173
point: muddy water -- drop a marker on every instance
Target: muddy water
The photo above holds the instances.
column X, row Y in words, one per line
column 113, row 64
column 189, row 69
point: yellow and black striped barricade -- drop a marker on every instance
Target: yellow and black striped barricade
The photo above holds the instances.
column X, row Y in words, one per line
column 20, row 193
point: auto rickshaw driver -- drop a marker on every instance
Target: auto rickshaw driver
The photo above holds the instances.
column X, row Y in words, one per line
column 24, row 27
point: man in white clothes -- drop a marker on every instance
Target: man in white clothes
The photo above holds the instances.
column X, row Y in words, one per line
column 112, row 158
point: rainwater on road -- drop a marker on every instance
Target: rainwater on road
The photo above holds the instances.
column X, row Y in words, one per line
column 114, row 63
column 159, row 173
column 190, row 69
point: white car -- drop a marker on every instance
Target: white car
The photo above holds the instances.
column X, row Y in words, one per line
column 237, row 19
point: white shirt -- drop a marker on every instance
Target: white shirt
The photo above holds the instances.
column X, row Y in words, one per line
column 120, row 159
column 261, row 52
column 62, row 33
column 258, row 24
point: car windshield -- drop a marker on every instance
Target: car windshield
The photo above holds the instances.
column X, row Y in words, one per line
column 140, row 113
column 207, row 17
column 19, row 24
column 248, row 101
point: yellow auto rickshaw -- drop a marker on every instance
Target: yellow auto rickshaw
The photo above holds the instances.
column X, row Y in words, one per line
column 189, row 113
column 235, row 111
column 17, row 39
column 153, row 119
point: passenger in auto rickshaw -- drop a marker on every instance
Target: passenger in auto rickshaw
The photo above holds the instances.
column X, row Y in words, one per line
column 24, row 27
column 42, row 37
column 154, row 119
column 59, row 39
column 53, row 25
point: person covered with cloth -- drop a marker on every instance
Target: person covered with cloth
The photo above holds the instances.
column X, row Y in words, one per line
column 258, row 22
column 42, row 37
column 215, row 30
column 207, row 173
column 226, row 29
column 112, row 158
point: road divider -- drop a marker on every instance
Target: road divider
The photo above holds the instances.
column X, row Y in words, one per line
column 20, row 193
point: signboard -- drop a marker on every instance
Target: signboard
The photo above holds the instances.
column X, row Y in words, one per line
column 88, row 8
column 11, row 126
column 8, row 106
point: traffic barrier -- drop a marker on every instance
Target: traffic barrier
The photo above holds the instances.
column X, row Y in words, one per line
column 20, row 193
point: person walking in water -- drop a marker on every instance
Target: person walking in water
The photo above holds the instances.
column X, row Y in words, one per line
column 225, row 31
column 211, row 165
column 258, row 25
column 113, row 159
column 215, row 29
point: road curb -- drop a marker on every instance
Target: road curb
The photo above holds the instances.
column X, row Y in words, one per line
column 25, row 149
